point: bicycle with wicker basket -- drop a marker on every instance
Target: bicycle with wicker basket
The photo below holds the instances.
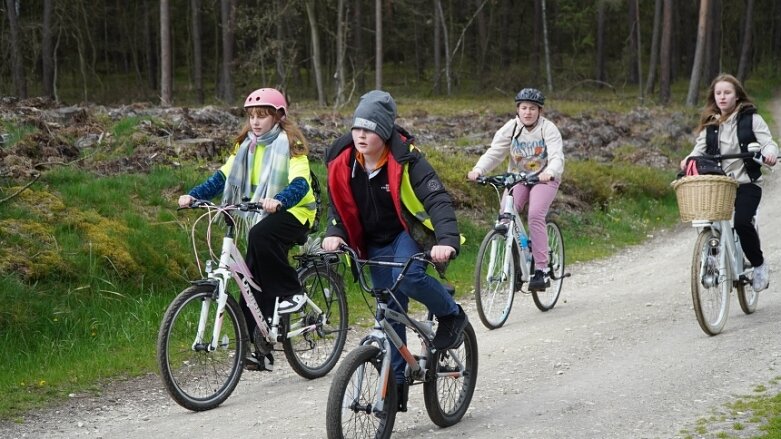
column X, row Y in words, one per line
column 718, row 263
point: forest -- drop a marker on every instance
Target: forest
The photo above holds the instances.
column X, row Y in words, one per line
column 191, row 52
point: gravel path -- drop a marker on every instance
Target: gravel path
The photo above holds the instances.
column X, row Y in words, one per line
column 621, row 356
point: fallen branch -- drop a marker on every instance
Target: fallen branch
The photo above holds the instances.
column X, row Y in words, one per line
column 21, row 190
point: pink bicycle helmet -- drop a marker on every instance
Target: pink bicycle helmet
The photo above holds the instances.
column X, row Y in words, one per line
column 266, row 97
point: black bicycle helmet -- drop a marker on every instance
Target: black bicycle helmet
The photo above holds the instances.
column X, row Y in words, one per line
column 531, row 95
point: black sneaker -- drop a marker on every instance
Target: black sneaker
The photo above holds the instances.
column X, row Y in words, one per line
column 449, row 330
column 402, row 394
column 255, row 361
column 291, row 303
column 539, row 281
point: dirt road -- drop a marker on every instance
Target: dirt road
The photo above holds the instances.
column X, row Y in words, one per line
column 621, row 356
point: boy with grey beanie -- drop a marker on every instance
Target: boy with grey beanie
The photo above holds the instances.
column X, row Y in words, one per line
column 376, row 112
column 387, row 203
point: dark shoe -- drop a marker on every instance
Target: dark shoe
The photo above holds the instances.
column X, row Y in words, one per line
column 449, row 330
column 291, row 303
column 539, row 281
column 254, row 361
column 402, row 394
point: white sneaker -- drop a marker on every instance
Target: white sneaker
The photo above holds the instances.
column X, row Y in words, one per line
column 761, row 278
column 291, row 303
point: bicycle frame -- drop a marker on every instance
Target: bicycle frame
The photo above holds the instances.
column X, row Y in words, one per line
column 232, row 265
column 730, row 252
column 515, row 227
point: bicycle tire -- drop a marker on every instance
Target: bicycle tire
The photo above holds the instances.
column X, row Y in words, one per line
column 314, row 353
column 494, row 289
column 200, row 380
column 546, row 299
column 711, row 303
column 447, row 398
column 353, row 393
column 747, row 297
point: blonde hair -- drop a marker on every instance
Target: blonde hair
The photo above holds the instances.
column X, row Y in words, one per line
column 298, row 144
column 711, row 114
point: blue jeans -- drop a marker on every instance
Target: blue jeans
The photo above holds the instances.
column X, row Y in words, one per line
column 416, row 284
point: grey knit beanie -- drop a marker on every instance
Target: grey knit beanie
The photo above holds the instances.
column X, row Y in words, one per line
column 376, row 111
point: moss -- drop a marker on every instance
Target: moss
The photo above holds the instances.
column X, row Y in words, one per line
column 105, row 239
column 28, row 249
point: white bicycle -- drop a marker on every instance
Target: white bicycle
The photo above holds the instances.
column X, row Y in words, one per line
column 203, row 338
column 718, row 266
column 505, row 261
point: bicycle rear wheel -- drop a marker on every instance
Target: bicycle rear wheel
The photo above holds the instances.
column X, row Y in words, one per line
column 196, row 378
column 449, row 391
column 747, row 297
column 546, row 299
column 350, row 412
column 494, row 280
column 710, row 292
column 315, row 352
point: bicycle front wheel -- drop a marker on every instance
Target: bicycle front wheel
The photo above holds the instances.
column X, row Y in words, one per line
column 710, row 292
column 449, row 391
column 494, row 280
column 351, row 411
column 546, row 299
column 314, row 352
column 196, row 378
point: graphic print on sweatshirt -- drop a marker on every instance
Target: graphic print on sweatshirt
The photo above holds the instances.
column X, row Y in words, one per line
column 528, row 156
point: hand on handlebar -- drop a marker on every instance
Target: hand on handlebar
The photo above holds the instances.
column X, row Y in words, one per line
column 442, row 253
column 473, row 175
column 271, row 205
column 185, row 201
column 332, row 243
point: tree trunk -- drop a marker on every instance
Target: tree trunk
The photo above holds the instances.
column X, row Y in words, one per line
column 665, row 51
column 713, row 43
column 47, row 49
column 166, row 79
column 150, row 47
column 195, row 5
column 702, row 32
column 547, row 48
column 632, row 50
column 17, row 62
column 279, row 51
column 536, row 50
column 378, row 44
column 359, row 72
column 599, row 73
column 745, row 52
column 445, row 39
column 341, row 48
column 437, row 50
column 654, row 57
column 482, row 37
column 227, row 15
column 316, row 62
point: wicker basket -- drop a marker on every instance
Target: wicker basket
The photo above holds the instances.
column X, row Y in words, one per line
column 705, row 197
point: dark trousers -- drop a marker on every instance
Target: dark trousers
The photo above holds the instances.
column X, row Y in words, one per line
column 746, row 203
column 268, row 246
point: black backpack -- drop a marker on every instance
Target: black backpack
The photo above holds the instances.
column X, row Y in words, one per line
column 745, row 136
column 318, row 193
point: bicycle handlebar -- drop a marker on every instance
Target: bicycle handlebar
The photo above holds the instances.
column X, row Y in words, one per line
column 509, row 179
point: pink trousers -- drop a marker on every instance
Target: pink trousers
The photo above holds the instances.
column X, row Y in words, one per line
column 539, row 197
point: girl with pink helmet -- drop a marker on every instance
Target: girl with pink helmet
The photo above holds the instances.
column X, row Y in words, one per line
column 269, row 165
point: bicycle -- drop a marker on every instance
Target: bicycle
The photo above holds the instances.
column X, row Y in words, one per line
column 505, row 261
column 203, row 338
column 362, row 401
column 718, row 265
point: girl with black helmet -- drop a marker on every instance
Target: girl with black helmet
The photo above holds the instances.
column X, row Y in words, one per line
column 535, row 147
column 269, row 165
